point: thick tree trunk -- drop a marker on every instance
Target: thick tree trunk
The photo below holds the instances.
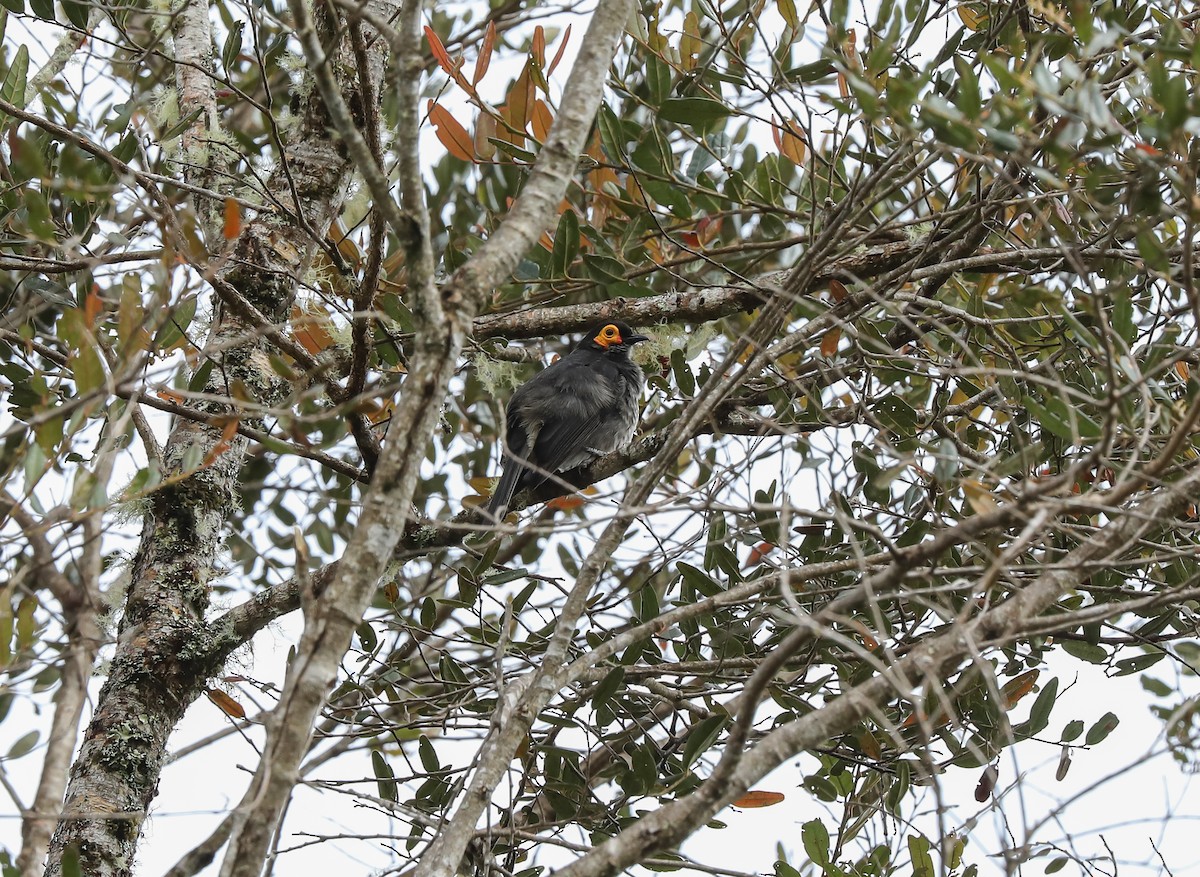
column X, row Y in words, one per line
column 165, row 649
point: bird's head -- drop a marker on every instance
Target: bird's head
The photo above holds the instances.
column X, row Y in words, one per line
column 611, row 337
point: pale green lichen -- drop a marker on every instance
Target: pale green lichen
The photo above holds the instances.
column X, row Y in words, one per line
column 357, row 204
column 287, row 122
column 666, row 339
column 162, row 13
column 164, row 110
column 495, row 376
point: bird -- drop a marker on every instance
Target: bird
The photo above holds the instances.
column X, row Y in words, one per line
column 572, row 412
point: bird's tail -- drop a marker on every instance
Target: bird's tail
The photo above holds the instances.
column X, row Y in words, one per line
column 498, row 505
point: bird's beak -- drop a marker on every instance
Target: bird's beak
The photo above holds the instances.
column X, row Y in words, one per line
column 635, row 339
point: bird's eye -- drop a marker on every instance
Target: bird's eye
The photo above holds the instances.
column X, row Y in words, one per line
column 611, row 332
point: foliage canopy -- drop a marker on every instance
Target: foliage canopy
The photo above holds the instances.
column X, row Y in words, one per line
column 920, row 430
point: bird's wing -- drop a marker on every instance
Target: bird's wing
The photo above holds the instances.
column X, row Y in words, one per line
column 575, row 406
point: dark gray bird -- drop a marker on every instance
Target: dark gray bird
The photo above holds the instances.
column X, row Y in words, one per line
column 580, row 408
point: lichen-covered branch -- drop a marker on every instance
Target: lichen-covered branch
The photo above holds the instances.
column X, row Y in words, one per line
column 164, row 649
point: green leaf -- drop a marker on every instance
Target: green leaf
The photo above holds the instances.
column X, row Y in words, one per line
column 179, row 127
column 43, row 9
column 787, row 11
column 612, row 136
column 428, row 755
column 810, row 73
column 367, row 636
column 77, row 12
column 24, row 745
column 702, row 737
column 1122, row 316
column 658, row 79
column 1135, row 665
column 922, row 862
column 385, row 778
column 815, row 837
column 1105, row 726
column 26, row 625
column 566, row 243
column 171, row 332
column 1071, row 730
column 522, row 155
column 87, row 368
column 684, row 378
column 608, row 686
column 70, row 862
column 1039, row 715
column 693, row 110
column 699, row 580
column 232, row 47
column 13, row 87
column 1085, row 651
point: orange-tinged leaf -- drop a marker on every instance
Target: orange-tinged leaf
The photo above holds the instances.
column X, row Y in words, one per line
column 868, row 744
column 791, row 142
column 689, row 43
column 868, row 640
column 451, row 133
column 972, row 19
column 566, row 503
column 837, row 289
column 654, row 250
column 227, row 433
column 226, row 704
column 92, row 306
column 485, row 53
column 379, row 413
column 936, row 720
column 170, row 396
column 562, row 47
column 519, row 101
column 707, row 228
column 755, row 798
column 1181, row 369
column 758, row 552
column 538, row 49
column 340, row 238
column 829, row 344
column 979, row 497
column 233, row 219
column 1017, row 687
column 843, row 86
column 542, row 120
column 480, row 484
column 443, row 57
column 391, row 592
column 311, row 329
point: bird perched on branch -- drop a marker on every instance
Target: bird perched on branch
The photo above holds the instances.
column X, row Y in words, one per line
column 580, row 408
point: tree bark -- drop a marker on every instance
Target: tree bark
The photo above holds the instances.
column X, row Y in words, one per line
column 165, row 650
